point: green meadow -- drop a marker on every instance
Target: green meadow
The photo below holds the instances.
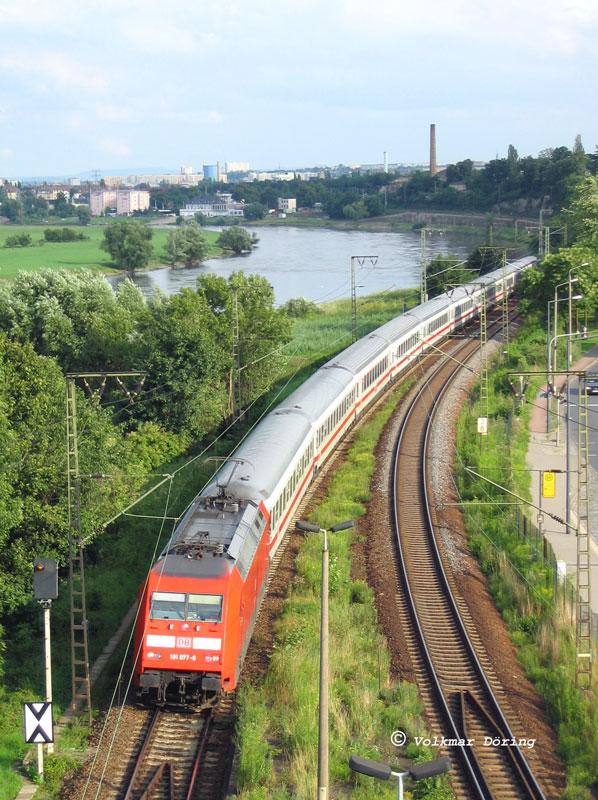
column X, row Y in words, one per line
column 86, row 254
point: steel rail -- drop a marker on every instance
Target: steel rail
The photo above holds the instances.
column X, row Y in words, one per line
column 467, row 756
column 168, row 765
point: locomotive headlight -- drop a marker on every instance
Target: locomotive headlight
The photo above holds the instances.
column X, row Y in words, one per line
column 185, row 626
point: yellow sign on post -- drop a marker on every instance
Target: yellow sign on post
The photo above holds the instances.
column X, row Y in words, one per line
column 549, row 484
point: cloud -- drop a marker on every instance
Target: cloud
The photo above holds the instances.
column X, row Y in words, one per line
column 537, row 24
column 114, row 147
column 162, row 36
column 45, row 70
column 112, row 113
column 215, row 117
column 6, row 153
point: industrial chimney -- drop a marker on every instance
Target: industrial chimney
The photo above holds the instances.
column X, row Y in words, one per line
column 433, row 163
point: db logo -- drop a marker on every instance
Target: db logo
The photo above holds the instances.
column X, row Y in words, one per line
column 183, row 641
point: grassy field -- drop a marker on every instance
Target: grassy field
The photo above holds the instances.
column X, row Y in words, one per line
column 72, row 255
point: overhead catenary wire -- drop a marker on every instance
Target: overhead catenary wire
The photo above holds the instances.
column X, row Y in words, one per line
column 123, row 662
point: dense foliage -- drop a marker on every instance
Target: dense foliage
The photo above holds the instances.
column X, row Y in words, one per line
column 129, row 243
column 32, row 473
column 63, row 235
column 18, row 240
column 581, row 259
column 30, row 208
column 236, row 239
column 182, row 342
column 55, row 322
column 187, row 245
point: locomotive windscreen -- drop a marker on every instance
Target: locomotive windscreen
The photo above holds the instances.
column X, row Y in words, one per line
column 192, row 607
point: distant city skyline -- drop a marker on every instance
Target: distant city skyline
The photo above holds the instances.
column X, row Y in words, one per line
column 290, row 84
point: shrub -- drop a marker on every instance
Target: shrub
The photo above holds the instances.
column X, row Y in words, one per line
column 18, row 240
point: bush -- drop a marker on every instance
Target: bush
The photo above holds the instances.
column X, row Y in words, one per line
column 236, row 239
column 300, row 307
column 18, row 240
column 63, row 235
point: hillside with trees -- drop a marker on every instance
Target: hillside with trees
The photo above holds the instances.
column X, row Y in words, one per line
column 513, row 184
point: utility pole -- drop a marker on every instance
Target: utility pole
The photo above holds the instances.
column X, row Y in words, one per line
column 236, row 377
column 583, row 617
column 484, row 390
column 423, row 287
column 354, row 261
column 80, row 681
column 541, row 235
column 505, row 303
column 570, row 282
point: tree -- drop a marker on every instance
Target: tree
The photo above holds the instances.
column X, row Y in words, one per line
column 262, row 328
column 583, row 211
column 129, row 243
column 84, row 215
column 187, row 244
column 300, row 307
column 11, row 209
column 254, row 211
column 236, row 239
column 444, row 272
column 32, row 506
column 537, row 285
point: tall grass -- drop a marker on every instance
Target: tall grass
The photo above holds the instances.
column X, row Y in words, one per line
column 522, row 583
column 277, row 728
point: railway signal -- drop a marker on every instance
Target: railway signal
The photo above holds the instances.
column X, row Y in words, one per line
column 39, row 729
column 45, row 589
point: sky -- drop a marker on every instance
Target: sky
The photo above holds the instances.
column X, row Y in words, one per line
column 130, row 84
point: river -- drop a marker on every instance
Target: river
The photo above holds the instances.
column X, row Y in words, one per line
column 315, row 263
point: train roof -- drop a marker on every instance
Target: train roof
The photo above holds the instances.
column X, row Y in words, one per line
column 266, row 453
column 259, row 462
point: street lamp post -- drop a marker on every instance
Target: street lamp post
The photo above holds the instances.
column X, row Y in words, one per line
column 551, row 355
column 323, row 692
column 568, row 337
column 376, row 769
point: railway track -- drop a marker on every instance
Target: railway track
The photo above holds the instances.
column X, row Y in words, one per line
column 453, row 672
column 179, row 756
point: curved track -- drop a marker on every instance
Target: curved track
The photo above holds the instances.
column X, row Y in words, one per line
column 451, row 668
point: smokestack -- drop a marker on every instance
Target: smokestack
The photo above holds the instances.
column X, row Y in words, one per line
column 385, row 161
column 433, row 164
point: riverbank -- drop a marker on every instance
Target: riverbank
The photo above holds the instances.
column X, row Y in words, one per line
column 506, row 229
column 83, row 254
